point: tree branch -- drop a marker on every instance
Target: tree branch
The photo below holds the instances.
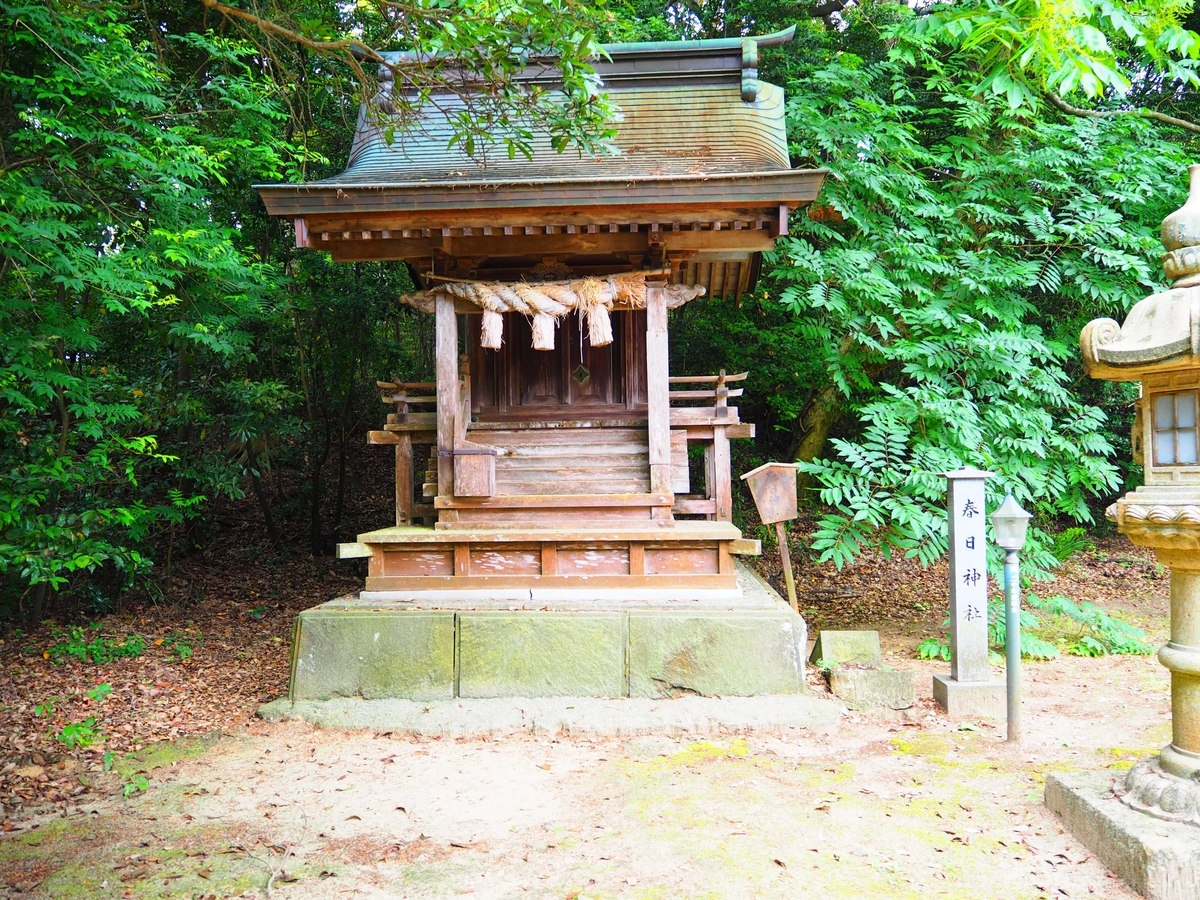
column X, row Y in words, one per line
column 1111, row 113
column 357, row 49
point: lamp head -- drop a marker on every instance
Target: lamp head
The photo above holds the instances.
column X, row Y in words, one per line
column 1009, row 524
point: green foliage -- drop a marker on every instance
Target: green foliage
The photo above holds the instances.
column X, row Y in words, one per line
column 1081, row 629
column 46, row 707
column 1025, row 47
column 108, row 241
column 1084, row 629
column 934, row 648
column 967, row 245
column 91, row 645
column 1032, row 647
column 137, row 783
column 1069, row 542
column 100, row 692
column 75, row 735
column 182, row 644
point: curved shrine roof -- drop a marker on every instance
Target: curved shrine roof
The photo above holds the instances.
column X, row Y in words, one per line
column 700, row 186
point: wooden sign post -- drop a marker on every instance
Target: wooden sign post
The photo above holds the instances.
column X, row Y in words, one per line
column 773, row 486
column 970, row 689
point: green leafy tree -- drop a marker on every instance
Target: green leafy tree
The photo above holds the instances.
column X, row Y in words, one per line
column 106, row 231
column 452, row 49
column 958, row 247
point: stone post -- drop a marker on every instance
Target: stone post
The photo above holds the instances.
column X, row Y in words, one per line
column 970, row 690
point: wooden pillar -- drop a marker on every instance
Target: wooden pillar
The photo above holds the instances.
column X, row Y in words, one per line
column 446, row 358
column 658, row 402
column 404, row 479
column 722, row 486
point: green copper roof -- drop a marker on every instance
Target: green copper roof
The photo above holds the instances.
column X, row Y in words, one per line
column 703, row 129
column 691, row 109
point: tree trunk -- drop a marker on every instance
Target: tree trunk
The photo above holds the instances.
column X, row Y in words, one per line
column 811, row 429
column 316, row 483
column 264, row 500
column 37, row 605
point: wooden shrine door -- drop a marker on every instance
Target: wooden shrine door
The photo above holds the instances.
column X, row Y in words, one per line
column 574, row 380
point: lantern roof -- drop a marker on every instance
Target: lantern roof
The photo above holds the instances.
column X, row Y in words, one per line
column 1162, row 331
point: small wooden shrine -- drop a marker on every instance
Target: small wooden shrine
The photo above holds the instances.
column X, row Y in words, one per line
column 555, row 442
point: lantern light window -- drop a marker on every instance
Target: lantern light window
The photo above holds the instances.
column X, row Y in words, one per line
column 1175, row 439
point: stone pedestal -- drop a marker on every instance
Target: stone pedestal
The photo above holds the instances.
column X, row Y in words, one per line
column 1159, row 346
column 1181, row 656
column 873, row 688
column 1146, row 827
column 1149, row 518
column 584, row 647
column 971, row 699
column 1158, row 859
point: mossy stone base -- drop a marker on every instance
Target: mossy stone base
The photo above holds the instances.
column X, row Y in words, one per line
column 371, row 654
column 409, row 654
column 716, row 654
column 541, row 654
column 971, row 699
column 873, row 688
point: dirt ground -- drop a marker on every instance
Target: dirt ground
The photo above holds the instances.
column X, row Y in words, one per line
column 885, row 806
column 908, row 805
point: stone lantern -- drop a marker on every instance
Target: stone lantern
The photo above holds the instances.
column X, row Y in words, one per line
column 1159, row 347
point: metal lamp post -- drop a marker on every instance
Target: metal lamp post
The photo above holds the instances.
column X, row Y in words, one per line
column 1009, row 524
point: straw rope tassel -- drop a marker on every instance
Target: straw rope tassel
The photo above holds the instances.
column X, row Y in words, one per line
column 491, row 334
column 547, row 302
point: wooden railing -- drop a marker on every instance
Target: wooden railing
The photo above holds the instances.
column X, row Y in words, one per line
column 404, row 429
column 714, row 401
column 711, row 424
column 400, row 394
column 700, row 413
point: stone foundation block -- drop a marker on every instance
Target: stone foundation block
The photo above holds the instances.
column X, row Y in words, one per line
column 846, row 648
column 541, row 654
column 1158, row 859
column 372, row 654
column 716, row 654
column 872, row 688
column 971, row 699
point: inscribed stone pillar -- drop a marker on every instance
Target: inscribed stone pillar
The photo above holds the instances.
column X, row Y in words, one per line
column 968, row 576
column 970, row 689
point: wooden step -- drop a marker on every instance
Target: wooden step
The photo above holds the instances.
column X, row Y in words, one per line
column 557, row 485
column 560, row 436
column 564, row 501
column 567, row 464
column 600, row 454
column 564, row 468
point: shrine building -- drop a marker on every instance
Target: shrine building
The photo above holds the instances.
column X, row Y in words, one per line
column 550, row 537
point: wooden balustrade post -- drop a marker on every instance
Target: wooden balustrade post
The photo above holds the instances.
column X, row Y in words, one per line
column 446, row 360
column 658, row 400
column 404, row 479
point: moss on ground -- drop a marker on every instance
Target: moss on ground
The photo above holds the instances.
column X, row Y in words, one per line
column 83, row 857
column 791, row 815
column 167, row 753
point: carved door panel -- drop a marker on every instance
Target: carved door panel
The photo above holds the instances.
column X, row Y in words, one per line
column 590, row 371
column 539, row 379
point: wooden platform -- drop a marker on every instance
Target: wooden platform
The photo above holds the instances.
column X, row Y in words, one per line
column 688, row 557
